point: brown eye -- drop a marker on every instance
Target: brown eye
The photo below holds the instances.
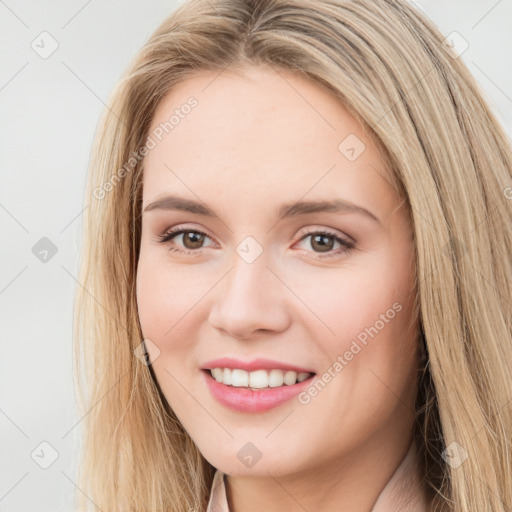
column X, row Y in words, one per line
column 187, row 241
column 322, row 242
column 325, row 244
column 192, row 239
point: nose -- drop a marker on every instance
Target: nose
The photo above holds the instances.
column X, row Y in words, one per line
column 250, row 301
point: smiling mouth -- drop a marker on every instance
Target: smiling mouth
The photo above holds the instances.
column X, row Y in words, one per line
column 258, row 379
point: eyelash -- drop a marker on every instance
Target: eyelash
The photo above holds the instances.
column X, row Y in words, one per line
column 346, row 244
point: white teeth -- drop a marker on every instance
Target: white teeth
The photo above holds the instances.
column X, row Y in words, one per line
column 239, row 378
column 257, row 379
column 226, row 376
column 276, row 378
column 290, row 378
column 217, row 374
column 302, row 376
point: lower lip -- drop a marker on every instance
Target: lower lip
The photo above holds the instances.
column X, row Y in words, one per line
column 248, row 400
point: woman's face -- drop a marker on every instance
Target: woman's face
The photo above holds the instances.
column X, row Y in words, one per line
column 297, row 251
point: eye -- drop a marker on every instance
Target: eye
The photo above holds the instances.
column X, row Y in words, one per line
column 192, row 239
column 323, row 243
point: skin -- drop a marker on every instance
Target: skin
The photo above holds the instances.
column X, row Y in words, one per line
column 256, row 140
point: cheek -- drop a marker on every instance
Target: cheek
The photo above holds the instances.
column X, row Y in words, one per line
column 344, row 305
column 169, row 307
column 167, row 300
column 369, row 359
column 368, row 351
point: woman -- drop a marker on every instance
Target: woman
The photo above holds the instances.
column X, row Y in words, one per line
column 296, row 269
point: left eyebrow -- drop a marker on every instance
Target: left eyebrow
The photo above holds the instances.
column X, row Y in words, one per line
column 333, row 206
column 292, row 209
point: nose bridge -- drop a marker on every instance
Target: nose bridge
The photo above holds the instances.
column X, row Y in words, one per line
column 249, row 298
column 245, row 281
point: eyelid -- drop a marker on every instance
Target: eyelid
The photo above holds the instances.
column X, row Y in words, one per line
column 316, row 229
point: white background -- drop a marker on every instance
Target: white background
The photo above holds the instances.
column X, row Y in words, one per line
column 49, row 109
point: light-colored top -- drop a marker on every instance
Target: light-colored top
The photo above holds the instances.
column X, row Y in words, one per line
column 403, row 492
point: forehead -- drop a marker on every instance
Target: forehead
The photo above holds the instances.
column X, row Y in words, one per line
column 260, row 134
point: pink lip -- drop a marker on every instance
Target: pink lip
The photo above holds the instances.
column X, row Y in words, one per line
column 256, row 364
column 248, row 400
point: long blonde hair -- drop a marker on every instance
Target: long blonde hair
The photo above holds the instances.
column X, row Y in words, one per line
column 451, row 159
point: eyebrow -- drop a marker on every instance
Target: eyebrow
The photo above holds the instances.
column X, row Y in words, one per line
column 292, row 209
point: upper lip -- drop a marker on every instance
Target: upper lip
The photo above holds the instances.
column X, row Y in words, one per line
column 255, row 364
